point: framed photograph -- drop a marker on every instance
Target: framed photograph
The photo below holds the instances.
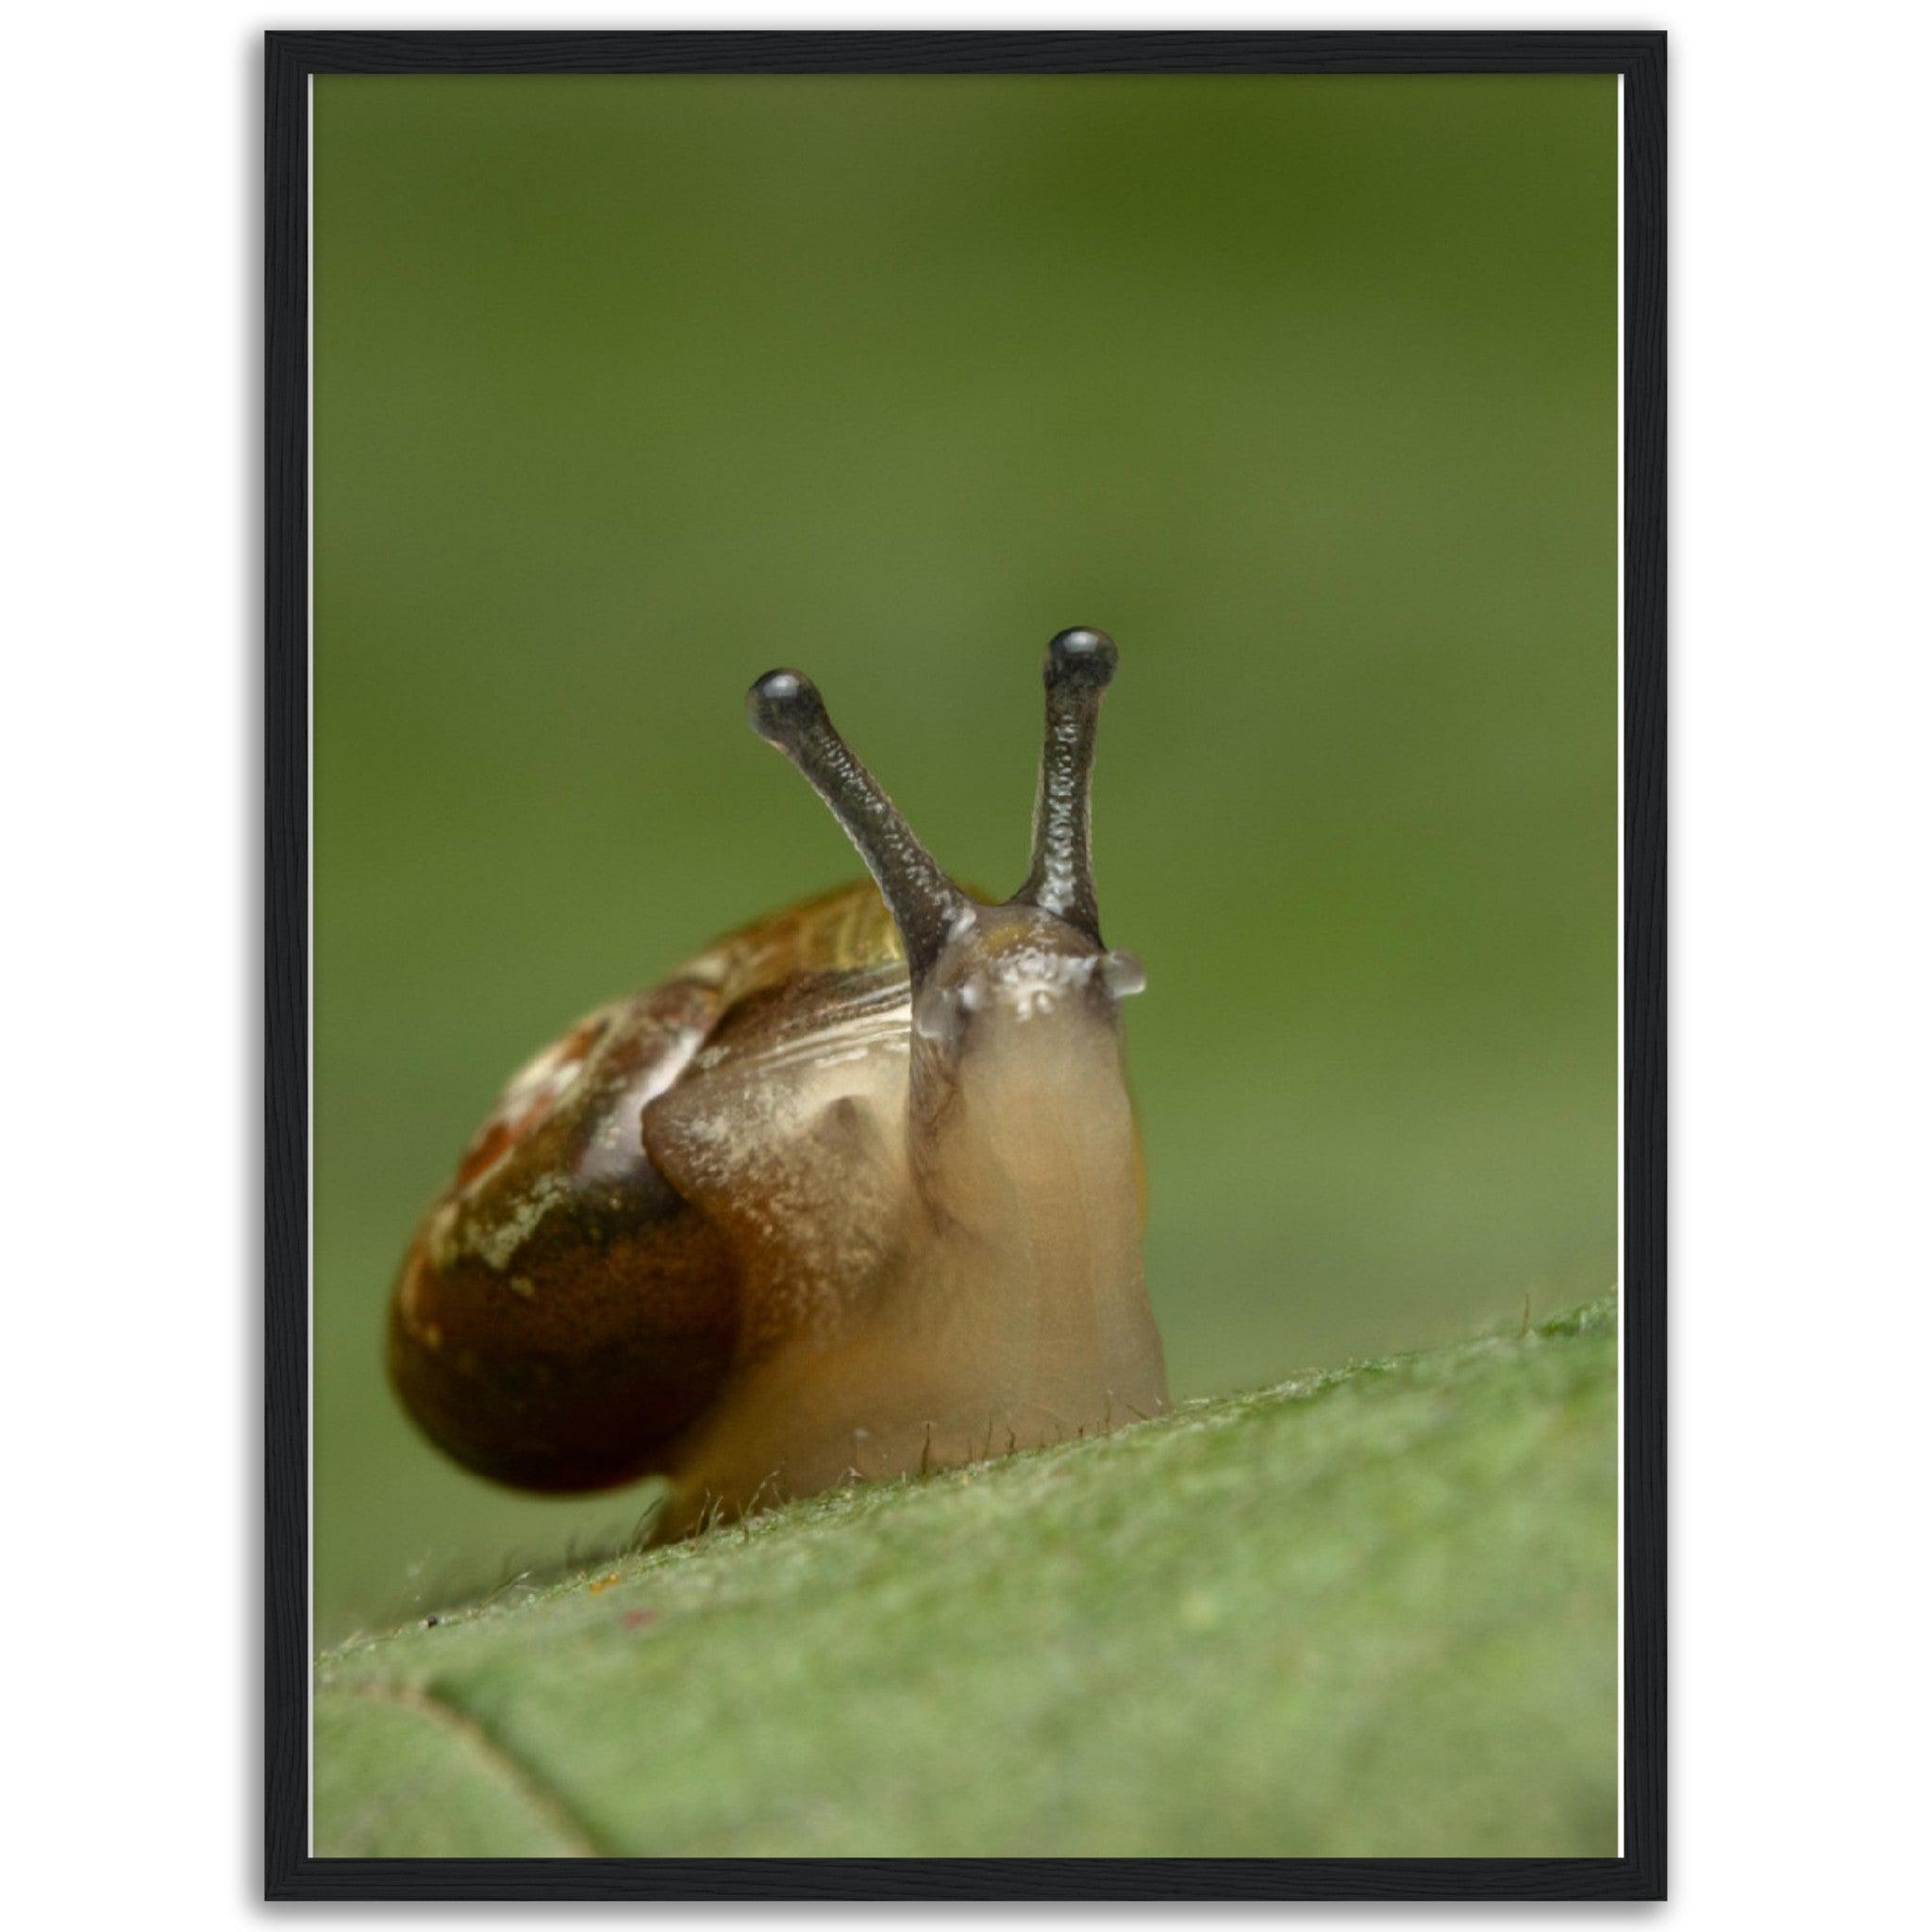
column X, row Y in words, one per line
column 1009, row 1303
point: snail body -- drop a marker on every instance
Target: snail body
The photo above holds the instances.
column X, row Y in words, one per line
column 854, row 1192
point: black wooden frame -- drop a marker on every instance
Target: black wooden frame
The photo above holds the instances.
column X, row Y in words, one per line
column 292, row 59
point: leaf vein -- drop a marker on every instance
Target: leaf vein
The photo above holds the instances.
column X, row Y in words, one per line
column 480, row 1742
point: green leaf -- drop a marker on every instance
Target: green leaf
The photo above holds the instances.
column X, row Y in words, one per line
column 1369, row 1612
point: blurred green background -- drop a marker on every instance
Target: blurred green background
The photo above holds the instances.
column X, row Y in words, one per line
column 629, row 388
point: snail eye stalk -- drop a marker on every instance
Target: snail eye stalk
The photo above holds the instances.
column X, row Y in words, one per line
column 1079, row 666
column 785, row 708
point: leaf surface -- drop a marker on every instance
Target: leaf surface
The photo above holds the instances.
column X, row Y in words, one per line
column 1368, row 1612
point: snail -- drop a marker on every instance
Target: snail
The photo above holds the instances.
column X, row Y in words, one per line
column 855, row 1192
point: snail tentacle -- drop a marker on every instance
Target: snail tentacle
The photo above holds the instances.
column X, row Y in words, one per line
column 785, row 708
column 1079, row 666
